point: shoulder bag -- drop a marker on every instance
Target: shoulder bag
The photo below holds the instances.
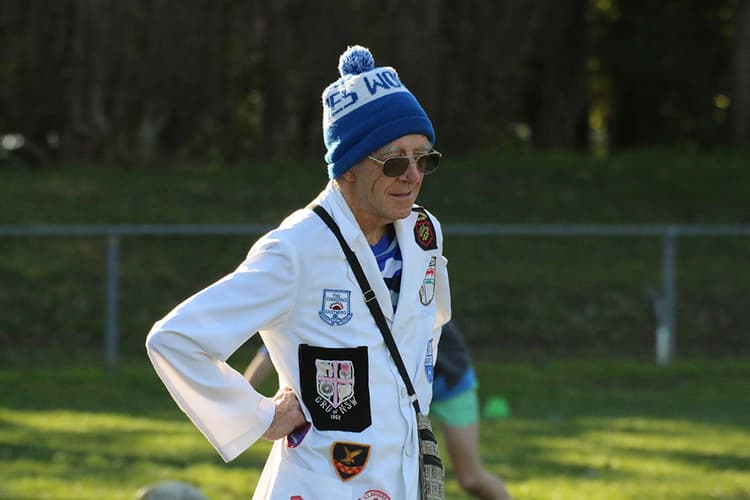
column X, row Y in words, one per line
column 431, row 471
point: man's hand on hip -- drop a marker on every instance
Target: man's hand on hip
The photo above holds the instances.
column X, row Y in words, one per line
column 288, row 416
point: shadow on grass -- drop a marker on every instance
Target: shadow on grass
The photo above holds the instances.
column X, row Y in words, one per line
column 99, row 452
column 596, row 422
column 614, row 449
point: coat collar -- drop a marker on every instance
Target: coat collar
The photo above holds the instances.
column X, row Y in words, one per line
column 415, row 259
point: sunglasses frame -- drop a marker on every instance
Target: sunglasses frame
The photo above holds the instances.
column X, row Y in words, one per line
column 431, row 153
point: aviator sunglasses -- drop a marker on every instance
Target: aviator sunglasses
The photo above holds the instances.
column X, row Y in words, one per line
column 395, row 166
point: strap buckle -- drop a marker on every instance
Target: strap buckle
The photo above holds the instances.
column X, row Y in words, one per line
column 369, row 295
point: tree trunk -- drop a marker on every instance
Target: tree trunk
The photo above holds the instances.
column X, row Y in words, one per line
column 741, row 77
column 562, row 99
column 152, row 121
column 273, row 81
column 89, row 123
column 77, row 122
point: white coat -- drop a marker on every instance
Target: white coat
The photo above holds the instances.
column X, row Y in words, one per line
column 296, row 288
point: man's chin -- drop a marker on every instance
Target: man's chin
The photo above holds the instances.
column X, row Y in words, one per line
column 402, row 213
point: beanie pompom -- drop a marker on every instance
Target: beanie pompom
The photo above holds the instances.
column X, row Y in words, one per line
column 356, row 60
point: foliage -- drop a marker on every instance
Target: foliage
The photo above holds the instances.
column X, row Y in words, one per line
column 136, row 82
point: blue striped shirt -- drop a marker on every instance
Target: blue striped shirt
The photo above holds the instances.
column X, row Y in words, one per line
column 388, row 255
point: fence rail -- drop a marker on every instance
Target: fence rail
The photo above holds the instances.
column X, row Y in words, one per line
column 664, row 303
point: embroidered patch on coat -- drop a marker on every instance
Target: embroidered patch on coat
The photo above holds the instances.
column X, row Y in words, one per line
column 335, row 381
column 335, row 387
column 296, row 437
column 374, row 495
column 349, row 458
column 424, row 231
column 429, row 362
column 336, row 307
column 427, row 290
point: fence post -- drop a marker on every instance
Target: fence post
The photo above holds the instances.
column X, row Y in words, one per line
column 665, row 334
column 110, row 321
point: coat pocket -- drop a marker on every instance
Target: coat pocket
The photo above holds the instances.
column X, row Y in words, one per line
column 297, row 482
column 335, row 387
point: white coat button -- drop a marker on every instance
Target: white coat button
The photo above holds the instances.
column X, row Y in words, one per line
column 403, row 392
column 407, row 450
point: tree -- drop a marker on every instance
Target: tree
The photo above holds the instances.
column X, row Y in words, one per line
column 741, row 76
column 667, row 61
column 136, row 81
column 559, row 116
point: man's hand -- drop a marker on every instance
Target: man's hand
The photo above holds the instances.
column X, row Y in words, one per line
column 288, row 416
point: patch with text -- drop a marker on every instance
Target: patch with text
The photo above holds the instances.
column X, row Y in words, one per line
column 429, row 362
column 335, row 387
column 336, row 307
column 374, row 495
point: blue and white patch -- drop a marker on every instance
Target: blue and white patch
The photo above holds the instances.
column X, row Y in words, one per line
column 429, row 363
column 336, row 307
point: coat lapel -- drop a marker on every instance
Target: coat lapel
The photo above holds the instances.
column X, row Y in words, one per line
column 415, row 264
column 334, row 202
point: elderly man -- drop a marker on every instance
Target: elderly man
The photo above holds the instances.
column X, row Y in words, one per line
column 342, row 422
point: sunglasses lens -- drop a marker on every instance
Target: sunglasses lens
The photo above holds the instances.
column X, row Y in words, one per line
column 429, row 162
column 394, row 167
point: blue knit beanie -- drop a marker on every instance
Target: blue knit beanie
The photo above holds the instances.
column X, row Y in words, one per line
column 365, row 109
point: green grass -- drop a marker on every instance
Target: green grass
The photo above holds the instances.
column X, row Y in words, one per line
column 578, row 430
column 644, row 186
column 538, row 311
column 526, row 296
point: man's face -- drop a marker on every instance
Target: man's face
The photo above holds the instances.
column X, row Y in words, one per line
column 384, row 199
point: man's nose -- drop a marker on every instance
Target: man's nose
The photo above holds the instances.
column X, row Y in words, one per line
column 412, row 173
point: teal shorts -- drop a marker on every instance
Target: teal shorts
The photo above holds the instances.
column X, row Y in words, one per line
column 459, row 410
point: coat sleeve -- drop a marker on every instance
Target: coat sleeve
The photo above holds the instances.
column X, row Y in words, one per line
column 189, row 347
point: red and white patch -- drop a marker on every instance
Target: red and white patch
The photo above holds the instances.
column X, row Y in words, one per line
column 375, row 495
column 424, row 232
column 427, row 290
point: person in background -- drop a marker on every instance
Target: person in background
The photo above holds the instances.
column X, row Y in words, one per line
column 455, row 405
column 342, row 423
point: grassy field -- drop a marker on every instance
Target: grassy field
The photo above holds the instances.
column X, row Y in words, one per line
column 604, row 430
column 561, row 327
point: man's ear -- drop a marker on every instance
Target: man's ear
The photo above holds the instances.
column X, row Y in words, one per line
column 349, row 176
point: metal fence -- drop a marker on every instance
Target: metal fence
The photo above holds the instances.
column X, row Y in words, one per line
column 664, row 301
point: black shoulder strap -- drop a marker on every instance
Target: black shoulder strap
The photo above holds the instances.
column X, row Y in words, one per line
column 369, row 295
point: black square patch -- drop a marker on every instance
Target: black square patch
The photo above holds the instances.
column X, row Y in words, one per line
column 335, row 387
